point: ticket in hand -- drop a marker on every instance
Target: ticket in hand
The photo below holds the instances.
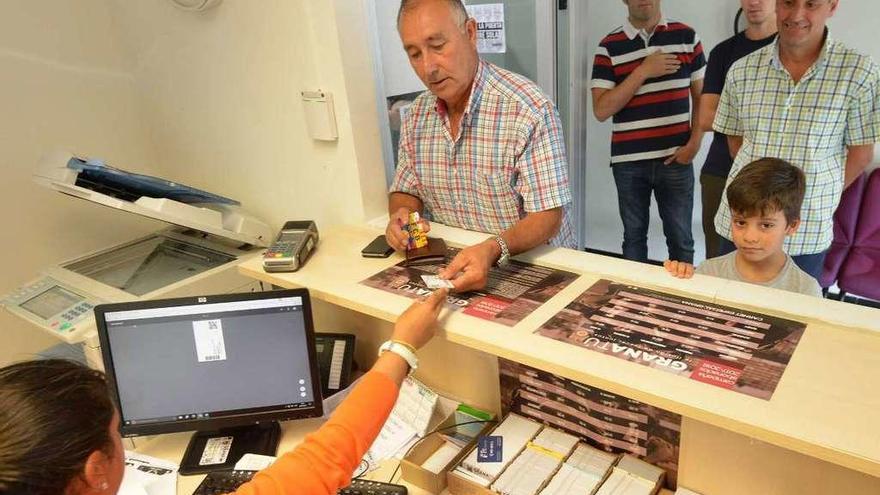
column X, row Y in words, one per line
column 435, row 282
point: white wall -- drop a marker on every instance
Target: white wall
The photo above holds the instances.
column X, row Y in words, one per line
column 63, row 84
column 221, row 94
column 854, row 24
column 399, row 78
column 210, row 99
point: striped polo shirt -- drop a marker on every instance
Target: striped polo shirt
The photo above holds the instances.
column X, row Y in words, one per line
column 657, row 119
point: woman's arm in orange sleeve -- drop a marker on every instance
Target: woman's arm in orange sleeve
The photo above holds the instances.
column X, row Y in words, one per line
column 326, row 459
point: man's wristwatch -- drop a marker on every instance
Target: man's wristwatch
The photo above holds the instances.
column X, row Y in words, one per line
column 401, row 350
column 505, row 252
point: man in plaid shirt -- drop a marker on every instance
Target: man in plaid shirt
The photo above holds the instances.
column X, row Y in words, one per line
column 810, row 100
column 482, row 149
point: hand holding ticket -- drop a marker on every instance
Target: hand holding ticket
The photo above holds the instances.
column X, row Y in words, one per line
column 435, row 282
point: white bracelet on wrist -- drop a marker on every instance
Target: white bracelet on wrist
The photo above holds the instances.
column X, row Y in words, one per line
column 402, row 351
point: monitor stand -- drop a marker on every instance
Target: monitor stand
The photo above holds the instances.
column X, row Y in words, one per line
column 205, row 452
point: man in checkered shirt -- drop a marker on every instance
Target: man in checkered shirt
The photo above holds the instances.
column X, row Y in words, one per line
column 810, row 100
column 481, row 150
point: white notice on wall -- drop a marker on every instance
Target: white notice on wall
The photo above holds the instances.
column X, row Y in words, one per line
column 209, row 340
column 490, row 27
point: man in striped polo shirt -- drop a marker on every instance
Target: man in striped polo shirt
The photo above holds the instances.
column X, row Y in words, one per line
column 645, row 75
column 482, row 149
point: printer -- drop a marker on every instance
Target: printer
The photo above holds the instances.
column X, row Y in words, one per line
column 208, row 236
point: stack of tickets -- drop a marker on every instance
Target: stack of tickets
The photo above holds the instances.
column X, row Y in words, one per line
column 583, row 472
column 516, row 432
column 536, row 464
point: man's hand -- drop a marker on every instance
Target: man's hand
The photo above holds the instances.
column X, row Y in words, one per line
column 659, row 64
column 398, row 238
column 679, row 269
column 417, row 324
column 469, row 270
column 684, row 154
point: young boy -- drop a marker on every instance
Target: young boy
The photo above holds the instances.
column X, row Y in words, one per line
column 765, row 204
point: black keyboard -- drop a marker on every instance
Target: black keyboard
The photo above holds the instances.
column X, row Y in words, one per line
column 367, row 487
column 228, row 481
column 223, row 482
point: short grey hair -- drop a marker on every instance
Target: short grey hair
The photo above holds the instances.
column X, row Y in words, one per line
column 457, row 7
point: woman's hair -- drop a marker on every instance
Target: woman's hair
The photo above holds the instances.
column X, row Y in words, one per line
column 53, row 415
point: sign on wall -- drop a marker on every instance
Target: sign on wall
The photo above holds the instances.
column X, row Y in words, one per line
column 490, row 27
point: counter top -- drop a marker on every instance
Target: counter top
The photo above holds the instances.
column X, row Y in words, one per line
column 827, row 404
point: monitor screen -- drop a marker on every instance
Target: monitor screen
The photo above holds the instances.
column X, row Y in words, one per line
column 231, row 360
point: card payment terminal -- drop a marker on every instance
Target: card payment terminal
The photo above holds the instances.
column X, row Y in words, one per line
column 292, row 248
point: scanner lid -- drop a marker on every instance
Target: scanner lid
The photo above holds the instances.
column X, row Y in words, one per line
column 152, row 197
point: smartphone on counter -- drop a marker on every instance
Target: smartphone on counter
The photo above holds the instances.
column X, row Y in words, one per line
column 378, row 248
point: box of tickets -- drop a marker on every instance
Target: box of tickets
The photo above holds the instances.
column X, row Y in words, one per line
column 632, row 476
column 536, row 464
column 486, row 461
column 427, row 465
column 583, row 472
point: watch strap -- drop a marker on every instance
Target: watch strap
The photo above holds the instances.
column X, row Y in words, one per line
column 401, row 350
column 505, row 251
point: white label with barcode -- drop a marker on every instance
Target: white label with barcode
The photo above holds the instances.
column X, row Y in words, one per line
column 216, row 451
column 209, row 340
column 336, row 365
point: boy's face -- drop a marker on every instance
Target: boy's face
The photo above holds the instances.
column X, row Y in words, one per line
column 758, row 237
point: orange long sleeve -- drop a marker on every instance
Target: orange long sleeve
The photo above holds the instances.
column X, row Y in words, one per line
column 326, row 459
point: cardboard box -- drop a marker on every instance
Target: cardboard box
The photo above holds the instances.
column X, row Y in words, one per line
column 459, row 484
column 411, row 465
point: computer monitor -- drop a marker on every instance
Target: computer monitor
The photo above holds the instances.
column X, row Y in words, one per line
column 229, row 366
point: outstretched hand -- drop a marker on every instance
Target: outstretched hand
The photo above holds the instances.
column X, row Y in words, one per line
column 417, row 325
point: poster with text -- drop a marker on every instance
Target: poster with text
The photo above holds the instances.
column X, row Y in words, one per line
column 491, row 36
column 726, row 347
column 607, row 421
column 511, row 294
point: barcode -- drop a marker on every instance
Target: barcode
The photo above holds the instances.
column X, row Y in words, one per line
column 212, row 357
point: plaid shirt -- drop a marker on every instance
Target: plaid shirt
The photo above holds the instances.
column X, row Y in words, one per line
column 508, row 160
column 809, row 123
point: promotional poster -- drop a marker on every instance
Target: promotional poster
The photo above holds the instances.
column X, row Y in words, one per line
column 511, row 294
column 723, row 346
column 607, row 421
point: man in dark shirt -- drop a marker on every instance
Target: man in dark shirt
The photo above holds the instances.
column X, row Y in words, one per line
column 760, row 31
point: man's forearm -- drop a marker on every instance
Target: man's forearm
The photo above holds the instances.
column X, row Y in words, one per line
column 533, row 230
column 398, row 200
column 734, row 143
column 708, row 105
column 857, row 159
column 613, row 100
column 697, row 131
